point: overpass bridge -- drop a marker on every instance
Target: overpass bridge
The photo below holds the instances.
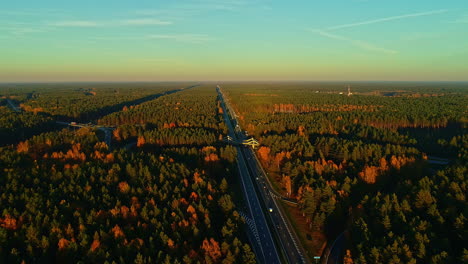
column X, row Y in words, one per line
column 106, row 129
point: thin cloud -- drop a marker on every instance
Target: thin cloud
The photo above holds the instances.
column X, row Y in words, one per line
column 75, row 23
column 385, row 19
column 191, row 38
column 183, row 10
column 125, row 22
column 357, row 43
column 144, row 22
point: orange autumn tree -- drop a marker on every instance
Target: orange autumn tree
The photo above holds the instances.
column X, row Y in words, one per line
column 211, row 249
column 23, row 147
column 264, row 154
column 141, row 141
column 287, row 184
column 117, row 231
column 63, row 243
column 95, row 245
column 9, row 223
column 369, row 174
column 124, row 187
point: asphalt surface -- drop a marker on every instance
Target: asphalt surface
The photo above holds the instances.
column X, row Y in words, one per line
column 253, row 178
column 265, row 248
column 336, row 250
column 13, row 106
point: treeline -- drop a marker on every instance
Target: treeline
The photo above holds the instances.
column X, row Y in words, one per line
column 187, row 118
column 334, row 112
column 84, row 102
column 195, row 107
column 15, row 126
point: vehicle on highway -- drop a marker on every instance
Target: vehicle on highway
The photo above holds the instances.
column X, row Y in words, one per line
column 270, row 210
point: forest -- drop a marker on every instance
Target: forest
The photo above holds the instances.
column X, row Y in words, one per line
column 162, row 192
column 385, row 166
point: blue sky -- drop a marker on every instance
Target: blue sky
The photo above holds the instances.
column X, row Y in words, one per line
column 233, row 40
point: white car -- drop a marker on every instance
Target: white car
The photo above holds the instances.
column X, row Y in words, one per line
column 270, row 210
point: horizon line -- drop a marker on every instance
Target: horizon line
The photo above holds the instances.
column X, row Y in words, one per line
column 234, row 81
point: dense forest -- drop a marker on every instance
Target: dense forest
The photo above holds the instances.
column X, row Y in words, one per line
column 162, row 193
column 386, row 165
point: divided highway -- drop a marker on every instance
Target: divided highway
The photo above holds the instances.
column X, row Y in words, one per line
column 265, row 249
column 254, row 181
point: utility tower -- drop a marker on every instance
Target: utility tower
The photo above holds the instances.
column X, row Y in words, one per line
column 349, row 90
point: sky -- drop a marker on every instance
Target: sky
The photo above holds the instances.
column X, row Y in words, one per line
column 233, row 40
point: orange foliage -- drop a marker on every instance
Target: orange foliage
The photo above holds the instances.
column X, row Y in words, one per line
column 287, row 184
column 73, row 154
column 124, row 211
column 190, row 209
column 9, row 223
column 23, row 147
column 212, row 157
column 117, row 232
column 383, row 164
column 194, row 195
column 184, row 223
column 135, row 202
column 171, row 125
column 280, row 156
column 98, row 154
column 170, row 243
column 124, row 187
column 264, row 153
column 95, row 245
column 347, row 258
column 63, row 243
column 197, row 178
column 114, row 211
column 109, row 158
column 141, row 141
column 322, row 165
column 183, row 201
column 116, row 134
column 300, row 131
column 69, row 166
column 211, row 248
column 291, row 108
column 369, row 174
column 208, row 149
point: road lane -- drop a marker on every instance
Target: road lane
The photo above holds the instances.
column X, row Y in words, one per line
column 282, row 229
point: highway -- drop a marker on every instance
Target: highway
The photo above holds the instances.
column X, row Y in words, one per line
column 254, row 178
column 265, row 247
column 13, row 106
column 107, row 130
column 285, row 232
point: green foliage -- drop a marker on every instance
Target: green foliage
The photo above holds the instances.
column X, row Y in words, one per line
column 67, row 197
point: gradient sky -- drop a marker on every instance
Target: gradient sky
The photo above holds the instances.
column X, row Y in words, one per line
column 101, row 40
